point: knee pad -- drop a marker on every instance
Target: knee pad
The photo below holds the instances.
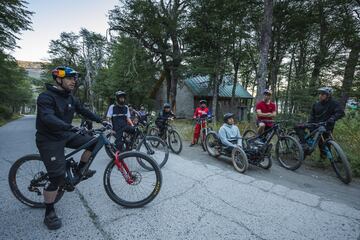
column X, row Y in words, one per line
column 54, row 183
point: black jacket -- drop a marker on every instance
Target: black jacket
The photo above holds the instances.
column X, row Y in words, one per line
column 55, row 112
column 324, row 111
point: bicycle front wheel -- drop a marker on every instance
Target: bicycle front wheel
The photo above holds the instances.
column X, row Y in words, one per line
column 174, row 141
column 338, row 161
column 289, row 153
column 27, row 179
column 203, row 139
column 129, row 184
column 156, row 148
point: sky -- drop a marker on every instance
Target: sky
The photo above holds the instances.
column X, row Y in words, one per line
column 52, row 17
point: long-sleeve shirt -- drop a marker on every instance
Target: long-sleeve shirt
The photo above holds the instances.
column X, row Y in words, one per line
column 55, row 112
column 323, row 111
column 229, row 134
column 201, row 112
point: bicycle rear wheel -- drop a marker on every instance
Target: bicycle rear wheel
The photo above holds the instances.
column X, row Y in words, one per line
column 289, row 153
column 338, row 161
column 139, row 186
column 174, row 141
column 27, row 179
column 249, row 133
column 156, row 148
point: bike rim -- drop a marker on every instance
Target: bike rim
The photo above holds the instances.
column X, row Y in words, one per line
column 174, row 141
column 31, row 170
column 156, row 149
column 211, row 143
column 288, row 152
column 143, row 182
column 337, row 161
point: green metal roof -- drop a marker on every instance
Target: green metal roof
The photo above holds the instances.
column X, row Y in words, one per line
column 198, row 85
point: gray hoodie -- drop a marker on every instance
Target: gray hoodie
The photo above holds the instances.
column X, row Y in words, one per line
column 229, row 133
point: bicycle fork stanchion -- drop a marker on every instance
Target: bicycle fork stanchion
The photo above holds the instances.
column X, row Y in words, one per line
column 123, row 168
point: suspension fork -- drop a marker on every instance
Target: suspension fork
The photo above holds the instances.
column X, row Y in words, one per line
column 123, row 168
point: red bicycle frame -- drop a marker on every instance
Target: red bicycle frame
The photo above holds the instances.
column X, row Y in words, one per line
column 123, row 168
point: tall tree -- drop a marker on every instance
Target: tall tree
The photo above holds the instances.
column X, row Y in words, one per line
column 158, row 25
column 264, row 48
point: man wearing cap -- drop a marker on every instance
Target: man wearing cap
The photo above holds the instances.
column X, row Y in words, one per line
column 265, row 112
column 200, row 112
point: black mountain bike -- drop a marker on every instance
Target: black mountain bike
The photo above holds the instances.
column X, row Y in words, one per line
column 288, row 150
column 170, row 135
column 126, row 181
column 151, row 145
column 330, row 149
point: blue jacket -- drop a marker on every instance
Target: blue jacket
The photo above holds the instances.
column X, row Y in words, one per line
column 230, row 135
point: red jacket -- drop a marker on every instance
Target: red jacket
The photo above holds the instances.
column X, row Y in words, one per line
column 201, row 112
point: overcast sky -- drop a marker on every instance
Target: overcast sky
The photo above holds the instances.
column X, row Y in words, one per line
column 52, row 17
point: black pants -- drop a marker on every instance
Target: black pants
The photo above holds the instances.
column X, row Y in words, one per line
column 53, row 152
column 119, row 142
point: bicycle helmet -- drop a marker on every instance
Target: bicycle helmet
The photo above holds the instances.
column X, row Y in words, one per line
column 63, row 72
column 326, row 90
column 267, row 91
column 227, row 116
column 120, row 94
column 167, row 105
column 203, row 102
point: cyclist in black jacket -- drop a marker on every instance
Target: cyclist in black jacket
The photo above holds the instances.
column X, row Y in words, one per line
column 325, row 110
column 55, row 111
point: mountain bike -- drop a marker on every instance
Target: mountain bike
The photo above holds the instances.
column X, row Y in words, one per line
column 203, row 121
column 288, row 150
column 170, row 135
column 125, row 180
column 150, row 145
column 330, row 149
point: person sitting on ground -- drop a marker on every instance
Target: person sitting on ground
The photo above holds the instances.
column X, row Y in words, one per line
column 229, row 133
column 119, row 114
column 265, row 112
column 200, row 112
column 164, row 116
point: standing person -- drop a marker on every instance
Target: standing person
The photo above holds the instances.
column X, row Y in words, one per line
column 229, row 133
column 56, row 107
column 164, row 116
column 143, row 115
column 265, row 112
column 326, row 110
column 119, row 114
column 200, row 112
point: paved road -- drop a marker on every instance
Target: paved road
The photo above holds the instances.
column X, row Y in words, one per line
column 201, row 198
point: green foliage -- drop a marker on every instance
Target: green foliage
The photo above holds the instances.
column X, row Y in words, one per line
column 131, row 70
column 14, row 17
column 14, row 87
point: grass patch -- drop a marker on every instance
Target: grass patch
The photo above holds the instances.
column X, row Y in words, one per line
column 14, row 117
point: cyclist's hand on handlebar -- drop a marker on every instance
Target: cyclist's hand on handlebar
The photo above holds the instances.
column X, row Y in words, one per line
column 75, row 129
column 107, row 125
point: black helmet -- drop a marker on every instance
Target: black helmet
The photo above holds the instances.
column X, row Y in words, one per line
column 167, row 105
column 227, row 116
column 203, row 101
column 120, row 94
column 326, row 90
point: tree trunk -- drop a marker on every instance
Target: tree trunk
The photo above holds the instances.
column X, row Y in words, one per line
column 264, row 48
column 216, row 84
column 351, row 63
